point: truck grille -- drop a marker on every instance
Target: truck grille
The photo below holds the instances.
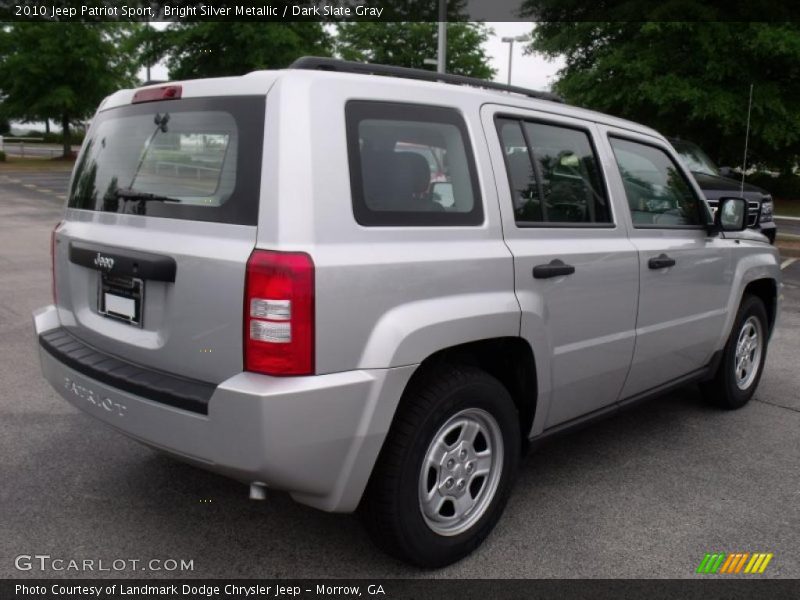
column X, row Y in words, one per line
column 753, row 208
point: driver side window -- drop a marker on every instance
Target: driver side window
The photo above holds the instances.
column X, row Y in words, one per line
column 658, row 194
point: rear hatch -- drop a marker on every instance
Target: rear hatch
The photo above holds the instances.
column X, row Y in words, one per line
column 150, row 260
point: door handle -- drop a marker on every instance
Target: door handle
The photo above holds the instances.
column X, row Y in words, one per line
column 662, row 261
column 555, row 268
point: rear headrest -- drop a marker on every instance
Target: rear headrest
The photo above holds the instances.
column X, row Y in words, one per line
column 394, row 180
column 376, row 169
column 414, row 169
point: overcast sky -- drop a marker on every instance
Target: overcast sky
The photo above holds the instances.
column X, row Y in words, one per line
column 528, row 71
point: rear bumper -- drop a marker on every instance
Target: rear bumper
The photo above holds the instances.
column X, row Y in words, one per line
column 316, row 437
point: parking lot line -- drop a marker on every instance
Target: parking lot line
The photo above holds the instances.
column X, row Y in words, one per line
column 788, row 262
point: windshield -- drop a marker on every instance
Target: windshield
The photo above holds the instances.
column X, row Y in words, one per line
column 194, row 158
column 694, row 158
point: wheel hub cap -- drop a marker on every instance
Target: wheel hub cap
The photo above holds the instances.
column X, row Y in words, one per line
column 460, row 472
column 747, row 358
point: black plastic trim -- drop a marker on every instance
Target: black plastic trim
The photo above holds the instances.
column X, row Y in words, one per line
column 694, row 376
column 563, row 225
column 130, row 263
column 186, row 394
column 314, row 63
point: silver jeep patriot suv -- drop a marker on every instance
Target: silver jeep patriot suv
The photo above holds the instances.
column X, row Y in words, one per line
column 372, row 287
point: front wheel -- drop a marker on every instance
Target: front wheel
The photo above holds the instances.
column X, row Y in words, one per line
column 743, row 359
column 446, row 469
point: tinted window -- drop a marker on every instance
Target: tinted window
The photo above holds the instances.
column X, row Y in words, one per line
column 410, row 165
column 554, row 174
column 193, row 159
column 694, row 158
column 658, row 194
column 524, row 190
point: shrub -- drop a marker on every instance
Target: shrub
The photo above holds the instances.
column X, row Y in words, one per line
column 76, row 138
column 2, row 156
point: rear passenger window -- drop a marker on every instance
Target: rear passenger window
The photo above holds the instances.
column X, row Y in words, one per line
column 658, row 194
column 554, row 175
column 411, row 165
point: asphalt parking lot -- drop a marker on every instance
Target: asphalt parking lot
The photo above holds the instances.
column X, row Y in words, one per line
column 789, row 227
column 644, row 494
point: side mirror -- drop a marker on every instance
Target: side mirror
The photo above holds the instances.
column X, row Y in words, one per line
column 443, row 193
column 731, row 215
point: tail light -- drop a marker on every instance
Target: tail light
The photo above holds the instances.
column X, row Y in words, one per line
column 279, row 313
column 53, row 262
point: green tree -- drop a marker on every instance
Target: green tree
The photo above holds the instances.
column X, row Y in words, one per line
column 62, row 70
column 216, row 49
column 408, row 44
column 687, row 79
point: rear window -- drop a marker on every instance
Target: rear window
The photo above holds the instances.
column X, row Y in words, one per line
column 196, row 159
column 411, row 165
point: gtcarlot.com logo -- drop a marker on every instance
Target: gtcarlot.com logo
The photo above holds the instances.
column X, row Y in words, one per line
column 734, row 562
column 45, row 562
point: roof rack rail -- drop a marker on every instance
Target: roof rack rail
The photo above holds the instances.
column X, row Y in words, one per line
column 314, row 63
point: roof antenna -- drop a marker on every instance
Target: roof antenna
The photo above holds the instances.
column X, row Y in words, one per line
column 746, row 138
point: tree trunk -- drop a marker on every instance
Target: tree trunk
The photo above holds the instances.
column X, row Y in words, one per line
column 65, row 135
column 47, row 126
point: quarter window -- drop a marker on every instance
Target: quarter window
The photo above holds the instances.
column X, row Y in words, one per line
column 658, row 193
column 554, row 175
column 411, row 165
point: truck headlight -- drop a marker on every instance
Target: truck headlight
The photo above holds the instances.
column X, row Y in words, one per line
column 767, row 210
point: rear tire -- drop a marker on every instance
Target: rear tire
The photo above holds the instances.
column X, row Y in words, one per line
column 446, row 469
column 743, row 358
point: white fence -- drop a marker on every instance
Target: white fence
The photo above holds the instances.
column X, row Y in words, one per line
column 18, row 146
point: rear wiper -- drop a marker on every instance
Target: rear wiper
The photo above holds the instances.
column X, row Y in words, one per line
column 131, row 194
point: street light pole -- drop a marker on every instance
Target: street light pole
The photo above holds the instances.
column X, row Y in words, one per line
column 510, row 57
column 510, row 41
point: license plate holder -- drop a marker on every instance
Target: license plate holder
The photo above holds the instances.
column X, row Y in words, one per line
column 121, row 298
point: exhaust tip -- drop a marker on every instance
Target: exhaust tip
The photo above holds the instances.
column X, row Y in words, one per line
column 258, row 491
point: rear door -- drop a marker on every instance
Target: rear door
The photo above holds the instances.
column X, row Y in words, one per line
column 150, row 261
column 576, row 271
column 685, row 274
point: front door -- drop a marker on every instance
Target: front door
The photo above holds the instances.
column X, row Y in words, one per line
column 685, row 273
